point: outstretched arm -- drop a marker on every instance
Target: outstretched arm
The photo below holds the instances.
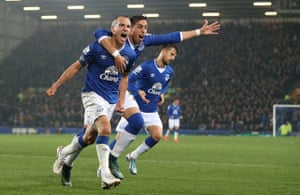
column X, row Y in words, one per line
column 206, row 29
column 177, row 36
column 72, row 70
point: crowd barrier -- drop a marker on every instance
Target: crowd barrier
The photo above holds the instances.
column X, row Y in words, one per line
column 64, row 130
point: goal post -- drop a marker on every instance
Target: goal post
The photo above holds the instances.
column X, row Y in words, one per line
column 282, row 113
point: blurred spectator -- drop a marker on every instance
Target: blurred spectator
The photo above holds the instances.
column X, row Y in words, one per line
column 231, row 83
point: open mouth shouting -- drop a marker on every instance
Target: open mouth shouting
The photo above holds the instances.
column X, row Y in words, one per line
column 141, row 37
column 124, row 36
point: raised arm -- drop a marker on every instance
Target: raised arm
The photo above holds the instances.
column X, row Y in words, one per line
column 72, row 70
column 178, row 36
column 206, row 29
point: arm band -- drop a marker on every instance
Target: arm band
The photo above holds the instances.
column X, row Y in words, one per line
column 115, row 53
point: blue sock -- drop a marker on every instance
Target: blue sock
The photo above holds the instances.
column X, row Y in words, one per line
column 81, row 142
column 150, row 141
column 81, row 132
column 102, row 139
column 80, row 137
column 112, row 144
column 135, row 123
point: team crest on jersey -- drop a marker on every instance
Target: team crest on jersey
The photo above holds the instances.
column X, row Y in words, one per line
column 127, row 59
column 152, row 75
column 175, row 112
column 141, row 47
column 137, row 70
column 155, row 89
column 167, row 77
column 110, row 74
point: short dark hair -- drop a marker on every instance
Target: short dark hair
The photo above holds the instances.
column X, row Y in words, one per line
column 135, row 19
column 169, row 46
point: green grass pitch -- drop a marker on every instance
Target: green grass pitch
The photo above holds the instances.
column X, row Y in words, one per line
column 197, row 165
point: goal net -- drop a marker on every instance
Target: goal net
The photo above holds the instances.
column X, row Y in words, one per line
column 283, row 113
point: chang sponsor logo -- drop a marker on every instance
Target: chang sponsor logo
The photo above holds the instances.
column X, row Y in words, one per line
column 155, row 89
column 110, row 74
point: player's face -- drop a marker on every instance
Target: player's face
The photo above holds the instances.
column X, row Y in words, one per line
column 169, row 55
column 121, row 29
column 138, row 31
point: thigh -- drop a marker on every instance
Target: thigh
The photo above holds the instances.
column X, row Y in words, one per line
column 152, row 119
column 121, row 125
column 130, row 101
column 171, row 123
column 94, row 107
column 176, row 123
column 153, row 125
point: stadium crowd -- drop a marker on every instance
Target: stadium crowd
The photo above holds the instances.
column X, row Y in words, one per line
column 229, row 81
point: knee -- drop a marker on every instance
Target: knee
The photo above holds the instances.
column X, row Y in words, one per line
column 157, row 136
column 89, row 139
column 137, row 119
column 135, row 123
column 102, row 126
column 106, row 131
column 89, row 136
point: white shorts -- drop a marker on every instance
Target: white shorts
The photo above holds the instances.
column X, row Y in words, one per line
column 95, row 106
column 150, row 119
column 173, row 123
column 130, row 101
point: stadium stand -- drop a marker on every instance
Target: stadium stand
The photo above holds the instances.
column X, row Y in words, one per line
column 229, row 81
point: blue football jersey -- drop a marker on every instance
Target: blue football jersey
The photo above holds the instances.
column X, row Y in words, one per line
column 148, row 78
column 102, row 77
column 149, row 39
column 174, row 111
